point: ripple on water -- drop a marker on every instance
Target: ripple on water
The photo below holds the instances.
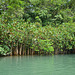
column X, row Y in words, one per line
column 38, row 65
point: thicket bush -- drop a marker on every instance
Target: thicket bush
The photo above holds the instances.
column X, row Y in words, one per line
column 28, row 26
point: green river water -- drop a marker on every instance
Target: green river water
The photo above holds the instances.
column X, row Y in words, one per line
column 38, row 65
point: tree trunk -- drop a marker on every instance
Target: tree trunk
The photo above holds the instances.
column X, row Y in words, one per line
column 11, row 49
column 23, row 49
column 20, row 50
column 17, row 49
column 32, row 52
column 56, row 51
column 74, row 50
column 28, row 52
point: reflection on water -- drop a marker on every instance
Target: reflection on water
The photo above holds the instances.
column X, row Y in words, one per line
column 38, row 65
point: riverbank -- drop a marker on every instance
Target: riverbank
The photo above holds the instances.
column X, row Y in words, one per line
column 42, row 53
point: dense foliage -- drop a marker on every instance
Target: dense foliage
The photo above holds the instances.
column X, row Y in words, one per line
column 37, row 26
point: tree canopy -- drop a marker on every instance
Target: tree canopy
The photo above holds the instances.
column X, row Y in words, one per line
column 36, row 25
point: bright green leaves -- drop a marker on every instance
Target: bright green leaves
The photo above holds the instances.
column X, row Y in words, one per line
column 46, row 45
column 51, row 48
column 43, row 45
column 4, row 50
column 1, row 50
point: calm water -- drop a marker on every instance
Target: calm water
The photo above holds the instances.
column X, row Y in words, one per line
column 38, row 65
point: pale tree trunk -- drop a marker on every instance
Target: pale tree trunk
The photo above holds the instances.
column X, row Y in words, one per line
column 17, row 49
column 28, row 52
column 20, row 50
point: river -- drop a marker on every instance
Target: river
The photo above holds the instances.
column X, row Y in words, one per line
column 38, row 65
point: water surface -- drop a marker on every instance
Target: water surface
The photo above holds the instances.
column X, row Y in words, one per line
column 38, row 65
